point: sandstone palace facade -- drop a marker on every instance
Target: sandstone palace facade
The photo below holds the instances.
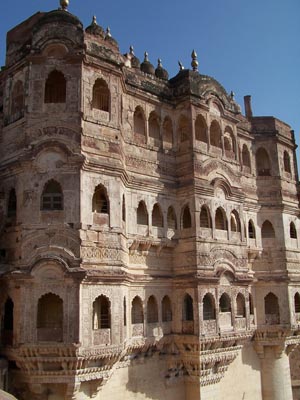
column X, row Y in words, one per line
column 149, row 232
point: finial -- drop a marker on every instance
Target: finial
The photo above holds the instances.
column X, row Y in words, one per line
column 232, row 94
column 159, row 64
column 131, row 51
column 146, row 59
column 108, row 34
column 94, row 21
column 64, row 4
column 181, row 67
column 194, row 62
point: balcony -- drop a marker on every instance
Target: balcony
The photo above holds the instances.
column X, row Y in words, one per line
column 49, row 334
column 210, row 327
column 240, row 323
column 101, row 336
column 137, row 329
column 272, row 319
column 225, row 320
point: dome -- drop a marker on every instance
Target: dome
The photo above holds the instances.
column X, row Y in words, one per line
column 110, row 39
column 59, row 16
column 160, row 72
column 95, row 29
column 146, row 66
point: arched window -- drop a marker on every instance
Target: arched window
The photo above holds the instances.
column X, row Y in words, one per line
column 240, row 306
column 171, row 218
column 251, row 306
column 139, row 123
column 52, row 198
column 137, row 314
column 246, row 157
column 8, row 322
column 235, row 223
column 215, row 134
column 293, row 232
column 17, row 100
column 100, row 202
column 286, row 162
column 157, row 217
column 183, row 129
column 101, row 95
column 167, row 133
column 297, row 303
column 152, row 310
column 154, row 128
column 101, row 313
column 225, row 303
column 263, row 164
column 12, row 204
column 229, row 143
column 201, row 129
column 123, row 209
column 220, row 219
column 166, row 309
column 124, row 312
column 272, row 309
column 205, row 219
column 50, row 318
column 186, row 218
column 209, row 311
column 188, row 311
column 55, row 88
column 267, row 230
column 142, row 214
column 251, row 230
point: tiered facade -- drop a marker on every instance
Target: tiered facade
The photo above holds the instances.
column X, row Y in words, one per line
column 149, row 232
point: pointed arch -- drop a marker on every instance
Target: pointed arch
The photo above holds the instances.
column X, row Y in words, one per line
column 263, row 164
column 137, row 314
column 235, row 223
column 152, row 310
column 215, row 134
column 229, row 143
column 171, row 218
column 17, row 100
column 186, row 219
column 139, row 123
column 55, row 88
column 12, row 204
column 167, row 133
column 240, row 306
column 251, row 305
column 220, row 219
column 157, row 216
column 166, row 309
column 251, row 230
column 183, row 129
column 209, row 309
column 272, row 309
column 154, row 126
column 205, row 218
column 246, row 161
column 50, row 318
column 142, row 214
column 293, row 232
column 267, row 230
column 101, row 313
column 201, row 129
column 297, row 303
column 187, row 308
column 52, row 197
column 286, row 162
column 100, row 201
column 225, row 303
column 101, row 95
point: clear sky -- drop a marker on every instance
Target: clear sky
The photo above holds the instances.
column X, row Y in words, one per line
column 249, row 46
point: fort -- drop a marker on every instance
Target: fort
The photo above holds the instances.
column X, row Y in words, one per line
column 149, row 231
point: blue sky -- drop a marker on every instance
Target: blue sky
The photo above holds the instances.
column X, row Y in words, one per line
column 249, row 46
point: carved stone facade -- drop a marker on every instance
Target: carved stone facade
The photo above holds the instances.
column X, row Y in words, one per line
column 149, row 232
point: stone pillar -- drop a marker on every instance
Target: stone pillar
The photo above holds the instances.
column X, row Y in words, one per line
column 275, row 374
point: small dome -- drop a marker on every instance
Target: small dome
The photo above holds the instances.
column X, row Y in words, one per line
column 160, row 72
column 146, row 66
column 110, row 39
column 95, row 29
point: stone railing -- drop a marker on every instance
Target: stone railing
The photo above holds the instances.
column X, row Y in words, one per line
column 101, row 336
column 137, row 329
column 157, row 232
column 225, row 320
column 221, row 234
column 188, row 327
column 210, row 327
column 236, row 236
column 100, row 219
column 143, row 230
column 252, row 319
column 154, row 329
column 240, row 323
column 49, row 334
column 167, row 327
column 272, row 319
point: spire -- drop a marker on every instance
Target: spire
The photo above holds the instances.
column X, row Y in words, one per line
column 194, row 62
column 108, row 34
column 131, row 50
column 181, row 67
column 146, row 59
column 64, row 4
